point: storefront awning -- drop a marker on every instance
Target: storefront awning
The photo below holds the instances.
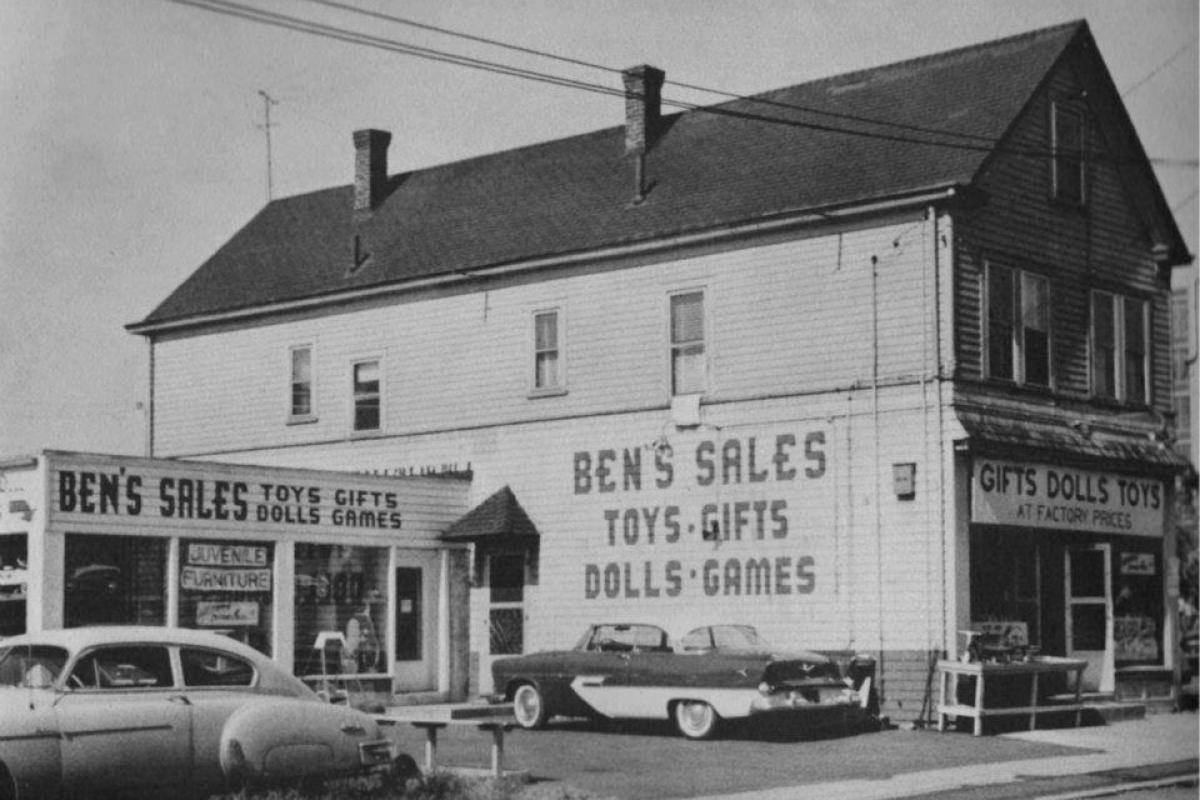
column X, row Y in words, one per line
column 497, row 520
column 1080, row 442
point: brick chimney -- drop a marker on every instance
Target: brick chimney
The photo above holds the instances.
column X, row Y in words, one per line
column 370, row 168
column 643, row 110
column 643, row 106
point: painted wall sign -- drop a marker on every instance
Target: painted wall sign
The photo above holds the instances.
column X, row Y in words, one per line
column 1044, row 496
column 123, row 492
column 210, row 614
column 735, row 494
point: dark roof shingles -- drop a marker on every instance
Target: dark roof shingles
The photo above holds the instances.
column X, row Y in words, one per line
column 706, row 170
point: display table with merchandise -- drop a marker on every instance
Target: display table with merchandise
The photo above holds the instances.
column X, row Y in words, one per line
column 982, row 672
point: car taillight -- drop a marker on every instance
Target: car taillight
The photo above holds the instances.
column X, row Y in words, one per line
column 765, row 688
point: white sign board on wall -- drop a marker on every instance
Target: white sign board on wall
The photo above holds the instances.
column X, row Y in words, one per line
column 1034, row 495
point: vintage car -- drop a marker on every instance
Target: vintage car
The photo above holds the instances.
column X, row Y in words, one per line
column 632, row 671
column 149, row 711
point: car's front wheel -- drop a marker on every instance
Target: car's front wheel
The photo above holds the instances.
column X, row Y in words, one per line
column 696, row 719
column 529, row 707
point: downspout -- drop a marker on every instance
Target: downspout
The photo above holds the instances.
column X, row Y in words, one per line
column 877, row 465
column 941, row 406
column 149, row 411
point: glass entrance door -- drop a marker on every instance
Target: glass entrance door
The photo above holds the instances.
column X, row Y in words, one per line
column 1089, row 607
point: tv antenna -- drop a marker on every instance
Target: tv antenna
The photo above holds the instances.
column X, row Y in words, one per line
column 268, row 101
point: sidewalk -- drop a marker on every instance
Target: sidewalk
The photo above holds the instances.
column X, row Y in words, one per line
column 1157, row 739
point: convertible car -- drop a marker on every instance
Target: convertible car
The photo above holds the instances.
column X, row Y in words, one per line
column 156, row 712
column 717, row 673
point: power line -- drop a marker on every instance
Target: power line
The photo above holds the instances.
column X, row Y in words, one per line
column 604, row 68
column 1166, row 63
column 1191, row 196
column 274, row 19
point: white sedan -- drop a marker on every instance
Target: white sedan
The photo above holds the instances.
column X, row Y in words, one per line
column 152, row 711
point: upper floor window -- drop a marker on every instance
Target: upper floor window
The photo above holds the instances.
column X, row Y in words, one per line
column 1017, row 310
column 301, row 382
column 687, row 343
column 547, row 369
column 366, row 396
column 1120, row 348
column 1068, row 168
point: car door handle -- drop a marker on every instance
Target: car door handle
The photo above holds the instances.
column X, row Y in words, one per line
column 352, row 729
column 180, row 699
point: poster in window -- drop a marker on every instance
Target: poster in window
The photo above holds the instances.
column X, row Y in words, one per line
column 228, row 585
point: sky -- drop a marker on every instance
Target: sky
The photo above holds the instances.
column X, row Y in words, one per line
column 134, row 143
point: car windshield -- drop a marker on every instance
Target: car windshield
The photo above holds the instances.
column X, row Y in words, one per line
column 724, row 637
column 624, row 637
column 27, row 665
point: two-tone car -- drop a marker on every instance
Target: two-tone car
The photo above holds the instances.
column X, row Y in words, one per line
column 157, row 712
column 633, row 671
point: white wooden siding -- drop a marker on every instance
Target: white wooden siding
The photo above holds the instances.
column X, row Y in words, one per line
column 788, row 318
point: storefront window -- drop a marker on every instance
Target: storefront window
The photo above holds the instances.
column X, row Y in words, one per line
column 119, row 580
column 14, row 557
column 1137, row 608
column 1005, row 582
column 341, row 610
column 228, row 587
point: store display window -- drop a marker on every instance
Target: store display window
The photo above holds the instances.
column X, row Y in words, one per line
column 228, row 586
column 341, row 610
column 1006, row 588
column 14, row 582
column 115, row 580
column 1137, row 607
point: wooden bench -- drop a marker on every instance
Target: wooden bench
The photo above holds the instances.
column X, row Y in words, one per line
column 494, row 719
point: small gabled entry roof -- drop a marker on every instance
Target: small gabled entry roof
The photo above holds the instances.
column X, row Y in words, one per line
column 497, row 520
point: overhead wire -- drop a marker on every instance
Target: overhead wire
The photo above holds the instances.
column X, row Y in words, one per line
column 1166, row 63
column 614, row 70
column 263, row 16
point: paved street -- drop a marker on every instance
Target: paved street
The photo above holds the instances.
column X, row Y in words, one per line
column 650, row 761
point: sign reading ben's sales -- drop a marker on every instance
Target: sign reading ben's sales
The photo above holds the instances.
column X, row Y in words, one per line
column 1044, row 496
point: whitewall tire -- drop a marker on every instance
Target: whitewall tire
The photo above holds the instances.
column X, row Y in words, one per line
column 696, row 719
column 529, row 707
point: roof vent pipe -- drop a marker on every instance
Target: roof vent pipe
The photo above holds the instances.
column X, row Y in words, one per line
column 643, row 111
column 370, row 168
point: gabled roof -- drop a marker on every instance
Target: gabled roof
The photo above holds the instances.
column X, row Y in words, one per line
column 710, row 169
column 498, row 519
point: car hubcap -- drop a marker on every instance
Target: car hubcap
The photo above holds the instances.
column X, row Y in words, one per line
column 695, row 716
column 527, row 705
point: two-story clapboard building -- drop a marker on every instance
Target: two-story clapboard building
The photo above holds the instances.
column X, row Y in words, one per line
column 862, row 362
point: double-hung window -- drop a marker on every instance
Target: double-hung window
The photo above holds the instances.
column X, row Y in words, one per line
column 1017, row 329
column 687, row 343
column 547, row 353
column 366, row 395
column 1120, row 348
column 301, row 403
column 1068, row 168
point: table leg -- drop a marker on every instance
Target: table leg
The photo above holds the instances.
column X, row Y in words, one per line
column 1033, row 698
column 430, row 748
column 943, row 677
column 1078, row 696
column 497, row 751
column 979, row 704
